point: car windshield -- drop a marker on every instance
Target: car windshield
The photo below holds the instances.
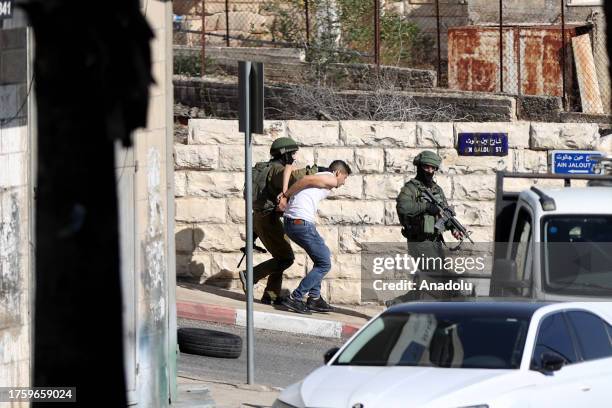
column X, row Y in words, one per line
column 439, row 340
column 577, row 255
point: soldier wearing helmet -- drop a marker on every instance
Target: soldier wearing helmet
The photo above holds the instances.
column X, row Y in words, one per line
column 418, row 217
column 267, row 186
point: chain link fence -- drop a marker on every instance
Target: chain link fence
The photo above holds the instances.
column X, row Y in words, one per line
column 534, row 47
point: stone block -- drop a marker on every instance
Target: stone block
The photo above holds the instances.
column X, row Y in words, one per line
column 222, row 238
column 223, row 265
column 180, row 184
column 305, row 157
column 313, row 132
column 549, row 136
column 452, row 163
column 196, row 157
column 400, row 160
column 324, row 156
column 435, row 134
column 215, row 184
column 352, row 189
column 382, row 186
column 196, row 267
column 518, row 132
column 604, row 144
column 529, row 161
column 352, row 212
column 330, row 236
column 273, row 129
column 479, row 214
column 391, row 217
column 352, row 239
column 446, row 183
column 474, row 187
column 231, row 158
column 214, row 131
column 366, row 133
column 345, row 291
column 345, row 266
column 369, row 160
column 236, row 211
column 195, row 209
column 183, row 239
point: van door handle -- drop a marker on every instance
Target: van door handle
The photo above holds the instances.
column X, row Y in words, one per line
column 585, row 388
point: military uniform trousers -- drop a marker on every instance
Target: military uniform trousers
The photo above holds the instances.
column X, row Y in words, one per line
column 269, row 229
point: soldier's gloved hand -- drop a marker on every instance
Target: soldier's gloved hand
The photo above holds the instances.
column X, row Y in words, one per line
column 432, row 209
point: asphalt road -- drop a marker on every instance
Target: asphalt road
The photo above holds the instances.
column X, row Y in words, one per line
column 280, row 358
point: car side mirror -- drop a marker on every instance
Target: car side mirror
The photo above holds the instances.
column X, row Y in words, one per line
column 552, row 362
column 330, row 354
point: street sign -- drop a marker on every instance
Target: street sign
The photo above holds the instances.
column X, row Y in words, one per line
column 482, row 144
column 6, row 9
column 573, row 161
column 251, row 92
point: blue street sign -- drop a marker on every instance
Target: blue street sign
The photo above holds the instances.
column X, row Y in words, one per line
column 573, row 161
column 482, row 144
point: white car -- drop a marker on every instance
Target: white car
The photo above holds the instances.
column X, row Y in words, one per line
column 468, row 355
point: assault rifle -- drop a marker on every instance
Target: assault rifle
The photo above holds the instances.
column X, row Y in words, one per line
column 255, row 248
column 447, row 216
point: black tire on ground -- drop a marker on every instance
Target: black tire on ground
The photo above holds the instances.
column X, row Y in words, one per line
column 210, row 343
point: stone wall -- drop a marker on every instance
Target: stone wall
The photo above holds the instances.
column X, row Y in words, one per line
column 209, row 181
column 220, row 99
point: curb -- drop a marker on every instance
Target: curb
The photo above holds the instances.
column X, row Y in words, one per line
column 265, row 320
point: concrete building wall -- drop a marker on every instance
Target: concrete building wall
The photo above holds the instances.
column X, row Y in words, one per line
column 153, row 301
column 15, row 217
column 209, row 181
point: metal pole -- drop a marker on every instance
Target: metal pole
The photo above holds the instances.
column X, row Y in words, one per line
column 307, row 22
column 249, row 230
column 439, row 43
column 227, row 30
column 501, row 46
column 203, row 63
column 563, row 56
column 377, row 34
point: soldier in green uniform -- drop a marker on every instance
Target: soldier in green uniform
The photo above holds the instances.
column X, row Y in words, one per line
column 418, row 217
column 267, row 186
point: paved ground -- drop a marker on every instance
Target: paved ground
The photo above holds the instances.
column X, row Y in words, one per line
column 280, row 358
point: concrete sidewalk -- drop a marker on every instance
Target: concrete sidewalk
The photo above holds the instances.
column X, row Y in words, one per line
column 212, row 304
column 204, row 393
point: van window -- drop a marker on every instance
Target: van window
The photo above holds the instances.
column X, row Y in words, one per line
column 520, row 245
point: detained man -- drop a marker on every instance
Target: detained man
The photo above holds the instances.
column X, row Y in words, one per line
column 301, row 201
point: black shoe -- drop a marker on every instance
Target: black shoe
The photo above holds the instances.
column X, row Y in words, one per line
column 243, row 281
column 295, row 305
column 318, row 305
column 267, row 300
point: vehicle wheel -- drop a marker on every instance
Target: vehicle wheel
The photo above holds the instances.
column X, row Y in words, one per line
column 211, row 343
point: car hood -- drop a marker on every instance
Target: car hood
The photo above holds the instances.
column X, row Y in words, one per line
column 388, row 387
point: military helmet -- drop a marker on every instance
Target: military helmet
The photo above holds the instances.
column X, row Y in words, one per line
column 283, row 145
column 427, row 157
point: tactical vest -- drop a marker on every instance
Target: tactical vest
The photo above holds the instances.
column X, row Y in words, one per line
column 263, row 201
column 422, row 227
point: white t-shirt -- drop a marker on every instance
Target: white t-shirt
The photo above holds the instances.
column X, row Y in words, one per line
column 303, row 205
